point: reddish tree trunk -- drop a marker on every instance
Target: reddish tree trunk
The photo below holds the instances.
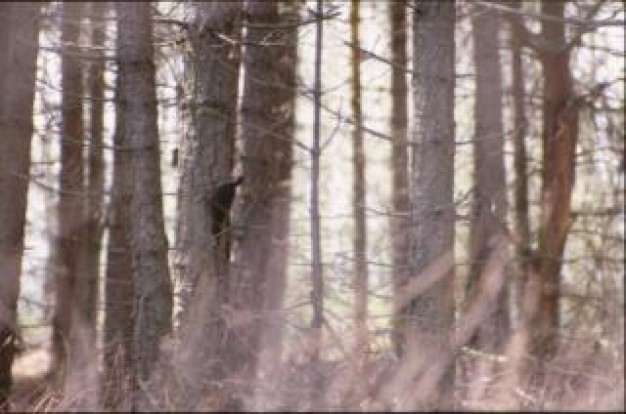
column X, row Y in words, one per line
column 559, row 135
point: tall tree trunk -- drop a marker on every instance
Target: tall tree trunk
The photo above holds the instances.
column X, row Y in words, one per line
column 267, row 132
column 95, row 163
column 520, row 127
column 87, row 283
column 19, row 30
column 399, row 159
column 317, row 274
column 207, row 161
column 118, row 305
column 152, row 302
column 358, row 200
column 430, row 316
column 559, row 139
column 267, row 119
column 559, row 136
column 68, row 324
column 489, row 205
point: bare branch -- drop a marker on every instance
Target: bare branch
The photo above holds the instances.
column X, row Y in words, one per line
column 566, row 20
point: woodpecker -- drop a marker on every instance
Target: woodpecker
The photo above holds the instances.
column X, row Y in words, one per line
column 221, row 202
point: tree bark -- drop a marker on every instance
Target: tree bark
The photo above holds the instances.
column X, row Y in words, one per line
column 267, row 119
column 19, row 30
column 358, row 196
column 520, row 127
column 152, row 302
column 95, row 162
column 317, row 270
column 68, row 324
column 429, row 318
column 559, row 136
column 399, row 159
column 487, row 288
column 119, row 290
column 207, row 155
column 489, row 207
column 559, row 139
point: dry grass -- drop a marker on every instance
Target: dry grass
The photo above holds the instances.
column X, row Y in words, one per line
column 584, row 375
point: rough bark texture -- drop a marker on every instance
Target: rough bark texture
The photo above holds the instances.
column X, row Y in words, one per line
column 489, row 205
column 429, row 317
column 19, row 29
column 399, row 157
column 268, row 123
column 152, row 301
column 207, row 160
column 118, row 305
column 358, row 193
column 267, row 118
column 71, row 242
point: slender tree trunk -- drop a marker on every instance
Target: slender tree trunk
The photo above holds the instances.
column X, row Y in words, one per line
column 118, row 317
column 87, row 283
column 19, row 30
column 152, row 302
column 490, row 199
column 526, row 280
column 559, row 135
column 430, row 316
column 358, row 200
column 399, row 159
column 207, row 158
column 95, row 177
column 68, row 323
column 317, row 277
column 520, row 126
column 489, row 204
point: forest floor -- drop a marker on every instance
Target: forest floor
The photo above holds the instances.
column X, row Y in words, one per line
column 31, row 383
column 591, row 380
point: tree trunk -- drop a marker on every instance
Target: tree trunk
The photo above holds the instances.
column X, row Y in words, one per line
column 358, row 200
column 267, row 119
column 559, row 135
column 118, row 305
column 486, row 288
column 207, row 156
column 19, row 30
column 430, row 316
column 68, row 324
column 95, row 177
column 152, row 302
column 489, row 205
column 267, row 131
column 317, row 271
column 520, row 127
column 559, row 139
column 399, row 159
column 87, row 283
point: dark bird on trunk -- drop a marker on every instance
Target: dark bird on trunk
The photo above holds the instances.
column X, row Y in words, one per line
column 221, row 203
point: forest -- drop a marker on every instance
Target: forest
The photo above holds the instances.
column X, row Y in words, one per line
column 312, row 205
